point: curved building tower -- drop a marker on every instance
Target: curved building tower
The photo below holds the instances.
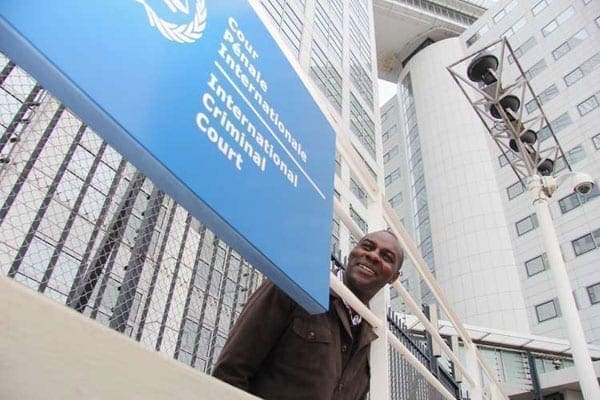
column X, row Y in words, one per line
column 455, row 200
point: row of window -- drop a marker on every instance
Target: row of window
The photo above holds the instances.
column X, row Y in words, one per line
column 581, row 71
column 570, row 44
column 536, row 9
column 503, row 12
column 362, row 125
column 574, row 155
column 326, row 76
column 549, row 309
column 543, row 97
column 582, row 245
column 392, row 176
column 558, row 21
column 589, row 104
column 587, row 242
column 288, row 20
column 361, row 79
column 391, row 153
column 575, row 199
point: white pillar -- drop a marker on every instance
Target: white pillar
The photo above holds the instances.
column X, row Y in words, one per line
column 380, row 374
column 581, row 356
column 475, row 392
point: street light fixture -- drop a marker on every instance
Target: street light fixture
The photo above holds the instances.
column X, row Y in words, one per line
column 498, row 105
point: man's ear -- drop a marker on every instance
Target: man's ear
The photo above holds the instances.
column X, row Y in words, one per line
column 394, row 277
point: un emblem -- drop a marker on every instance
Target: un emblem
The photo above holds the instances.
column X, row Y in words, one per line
column 186, row 33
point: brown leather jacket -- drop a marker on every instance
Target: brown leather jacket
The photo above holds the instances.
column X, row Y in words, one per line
column 277, row 351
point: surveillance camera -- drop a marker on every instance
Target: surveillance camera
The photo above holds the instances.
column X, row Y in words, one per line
column 583, row 183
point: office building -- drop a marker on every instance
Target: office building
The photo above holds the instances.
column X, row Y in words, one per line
column 488, row 253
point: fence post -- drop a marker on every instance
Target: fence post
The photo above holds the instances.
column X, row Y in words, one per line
column 379, row 361
column 472, row 364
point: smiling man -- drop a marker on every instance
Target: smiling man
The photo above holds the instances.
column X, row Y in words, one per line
column 278, row 351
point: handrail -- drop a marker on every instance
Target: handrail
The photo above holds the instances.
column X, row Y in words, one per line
column 380, row 329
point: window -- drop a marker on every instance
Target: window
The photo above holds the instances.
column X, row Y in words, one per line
column 392, row 176
column 362, row 125
column 362, row 224
column 515, row 28
column 558, row 124
column 574, row 200
column 387, row 134
column 539, row 6
column 527, row 224
column 584, row 69
column 482, row 31
column 503, row 159
column 358, row 190
column 396, row 200
column 575, row 154
column 586, row 242
column 325, row 74
column 570, row 44
column 545, row 96
column 594, row 293
column 536, row 69
column 558, row 21
column 596, row 141
column 515, row 189
column 502, row 13
column 588, row 105
column 536, row 265
column 391, row 153
column 568, row 203
column 546, row 311
column 338, row 164
column 522, row 49
column 288, row 21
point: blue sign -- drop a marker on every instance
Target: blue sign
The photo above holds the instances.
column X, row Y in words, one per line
column 198, row 95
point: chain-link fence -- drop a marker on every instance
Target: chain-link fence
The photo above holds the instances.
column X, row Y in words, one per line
column 81, row 225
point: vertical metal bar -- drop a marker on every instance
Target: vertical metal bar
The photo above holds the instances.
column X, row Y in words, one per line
column 535, row 379
column 10, row 199
column 219, row 307
column 73, row 293
column 188, row 297
column 236, row 296
column 109, row 245
column 154, row 278
column 39, row 216
column 135, row 266
column 8, row 68
column 205, row 299
column 19, row 115
column 163, row 323
column 70, row 219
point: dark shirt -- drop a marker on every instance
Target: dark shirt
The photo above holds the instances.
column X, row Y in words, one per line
column 278, row 351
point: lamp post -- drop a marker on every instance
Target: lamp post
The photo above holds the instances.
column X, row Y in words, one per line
column 498, row 105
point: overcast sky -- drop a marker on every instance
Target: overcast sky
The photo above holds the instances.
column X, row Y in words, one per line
column 386, row 91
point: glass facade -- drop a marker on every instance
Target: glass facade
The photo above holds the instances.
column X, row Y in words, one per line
column 417, row 179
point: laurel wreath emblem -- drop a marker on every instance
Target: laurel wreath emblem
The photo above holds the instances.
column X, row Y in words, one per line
column 186, row 33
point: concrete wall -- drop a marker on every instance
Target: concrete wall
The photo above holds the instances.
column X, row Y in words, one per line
column 48, row 351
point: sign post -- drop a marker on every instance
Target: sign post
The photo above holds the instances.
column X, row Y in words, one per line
column 199, row 97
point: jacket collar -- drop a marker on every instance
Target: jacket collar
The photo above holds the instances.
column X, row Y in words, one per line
column 366, row 334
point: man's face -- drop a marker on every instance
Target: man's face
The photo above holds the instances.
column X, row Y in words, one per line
column 374, row 261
